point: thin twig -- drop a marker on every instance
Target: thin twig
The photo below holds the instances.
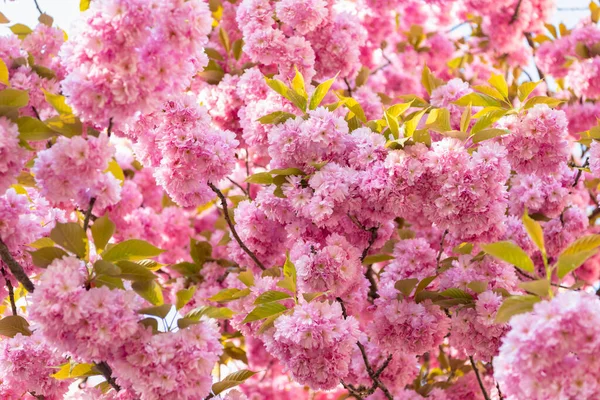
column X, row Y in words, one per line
column 455, row 27
column 439, row 255
column 38, row 7
column 499, row 392
column 110, row 126
column 580, row 171
column 106, row 371
column 11, row 293
column 15, row 268
column 485, row 395
column 348, row 86
column 516, row 14
column 232, row 227
column 532, row 45
column 239, row 186
column 88, row 214
column 35, row 111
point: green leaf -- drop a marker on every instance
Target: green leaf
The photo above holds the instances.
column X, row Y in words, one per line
column 59, row 103
column 511, row 253
column 424, row 283
column 362, row 76
column 526, row 88
column 4, row 73
column 212, row 53
column 585, row 243
column 134, row 272
column 106, row 268
column 375, row 258
column 499, row 83
column 71, row 370
column 263, row 311
column 14, row 98
column 237, row 48
column 320, row 93
column 187, row 268
column 149, row 290
column 286, row 92
column 465, row 118
column 289, row 270
column 487, row 117
column 261, row 178
column 429, row 81
column 478, row 286
column 21, row 30
column 311, row 296
column 535, row 232
column 150, row 322
column 111, row 282
column 70, row 236
column 132, row 250
column 411, row 125
column 247, row 278
column 287, row 171
column 276, row 117
column 539, row 287
column 232, row 380
column 550, row 101
column 567, row 263
column 438, row 120
column 490, row 133
column 455, row 293
column 65, row 124
column 33, row 129
column 184, row 296
column 200, row 251
column 13, row 324
column 84, row 5
column 355, row 108
column 224, row 38
column 463, row 248
column 478, row 100
column 271, row 296
column 515, row 305
column 159, row 311
column 115, row 169
column 298, row 84
column 44, row 256
column 210, row 312
column 230, row 294
column 406, row 286
column 102, row 231
column 393, row 124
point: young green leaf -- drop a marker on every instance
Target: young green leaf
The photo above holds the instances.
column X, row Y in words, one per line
column 585, row 243
column 263, row 311
column 149, row 290
column 535, row 232
column 134, row 272
column 320, row 93
column 102, row 230
column 540, row 287
column 406, row 286
column 569, row 262
column 71, row 237
column 44, row 256
column 526, row 88
column 247, row 278
column 132, row 250
column 232, row 380
column 184, row 296
column 511, row 253
column 229, row 294
column 271, row 296
column 13, row 324
column 499, row 83
column 4, row 73
column 34, row 129
column 515, row 305
column 159, row 311
column 13, row 98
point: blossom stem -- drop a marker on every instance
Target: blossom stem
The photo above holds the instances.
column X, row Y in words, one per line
column 532, row 45
column 106, row 371
column 38, row 7
column 11, row 293
column 580, row 172
column 232, row 227
column 348, row 87
column 88, row 214
column 15, row 268
column 485, row 395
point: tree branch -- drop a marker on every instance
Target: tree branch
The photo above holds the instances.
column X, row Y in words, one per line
column 532, row 45
column 348, row 87
column 439, row 255
column 38, row 7
column 516, row 14
column 106, row 372
column 110, row 126
column 11, row 293
column 232, row 227
column 88, row 214
column 15, row 268
column 580, row 171
column 485, row 395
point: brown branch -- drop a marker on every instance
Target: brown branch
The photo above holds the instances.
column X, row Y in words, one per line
column 110, row 126
column 239, row 186
column 106, row 372
column 348, row 87
column 372, row 374
column 439, row 255
column 232, row 227
column 485, row 395
column 516, row 14
column 38, row 7
column 88, row 214
column 11, row 293
column 15, row 268
column 532, row 45
column 580, row 172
